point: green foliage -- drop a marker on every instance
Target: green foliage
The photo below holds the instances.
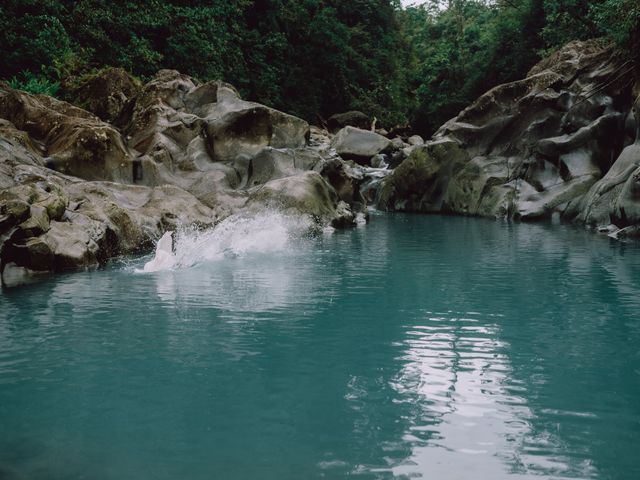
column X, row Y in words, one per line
column 468, row 46
column 619, row 19
column 309, row 57
column 39, row 85
column 567, row 20
column 464, row 50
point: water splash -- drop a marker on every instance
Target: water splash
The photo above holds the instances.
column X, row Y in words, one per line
column 164, row 259
column 236, row 236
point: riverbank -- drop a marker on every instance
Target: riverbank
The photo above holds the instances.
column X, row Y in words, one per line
column 82, row 186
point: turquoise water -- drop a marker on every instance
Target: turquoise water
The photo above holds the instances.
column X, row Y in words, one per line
column 415, row 347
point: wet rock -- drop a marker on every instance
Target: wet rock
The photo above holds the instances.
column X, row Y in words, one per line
column 398, row 144
column 307, row 194
column 71, row 246
column 628, row 233
column 396, row 158
column 345, row 181
column 13, row 211
column 319, row 138
column 406, row 151
column 380, row 161
column 36, row 224
column 469, row 190
column 270, row 164
column 613, row 198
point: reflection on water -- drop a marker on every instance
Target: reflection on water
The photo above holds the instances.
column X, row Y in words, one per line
column 468, row 412
column 417, row 347
column 248, row 288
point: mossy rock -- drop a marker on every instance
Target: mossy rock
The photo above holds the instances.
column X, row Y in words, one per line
column 420, row 182
column 103, row 92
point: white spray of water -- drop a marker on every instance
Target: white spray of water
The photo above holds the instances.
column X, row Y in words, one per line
column 164, row 259
column 236, row 236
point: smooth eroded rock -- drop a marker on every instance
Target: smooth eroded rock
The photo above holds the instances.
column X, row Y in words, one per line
column 359, row 145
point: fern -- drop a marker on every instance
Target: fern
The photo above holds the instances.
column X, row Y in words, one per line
column 36, row 84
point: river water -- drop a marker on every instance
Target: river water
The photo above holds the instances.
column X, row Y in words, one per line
column 413, row 347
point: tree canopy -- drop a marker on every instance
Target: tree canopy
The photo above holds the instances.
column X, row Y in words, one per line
column 311, row 58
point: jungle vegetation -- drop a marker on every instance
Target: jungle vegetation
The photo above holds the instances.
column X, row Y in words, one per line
column 418, row 65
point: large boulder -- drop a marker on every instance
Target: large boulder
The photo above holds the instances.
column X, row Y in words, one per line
column 614, row 198
column 174, row 112
column 237, row 127
column 359, row 145
column 205, row 139
column 304, row 194
column 345, row 180
column 272, row 164
column 419, row 183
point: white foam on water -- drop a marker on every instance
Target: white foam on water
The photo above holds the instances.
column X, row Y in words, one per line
column 236, row 236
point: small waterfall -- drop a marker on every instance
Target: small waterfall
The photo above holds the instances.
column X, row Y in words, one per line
column 372, row 182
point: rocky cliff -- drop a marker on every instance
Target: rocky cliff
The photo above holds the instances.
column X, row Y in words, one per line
column 78, row 187
column 563, row 142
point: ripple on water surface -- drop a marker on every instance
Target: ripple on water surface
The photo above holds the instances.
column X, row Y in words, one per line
column 415, row 347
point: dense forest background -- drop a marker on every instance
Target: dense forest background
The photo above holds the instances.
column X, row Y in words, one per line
column 419, row 65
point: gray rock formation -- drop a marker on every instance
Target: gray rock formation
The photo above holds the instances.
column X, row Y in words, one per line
column 415, row 140
column 50, row 222
column 76, row 191
column 555, row 143
column 72, row 140
column 420, row 182
column 360, row 145
column 307, row 193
